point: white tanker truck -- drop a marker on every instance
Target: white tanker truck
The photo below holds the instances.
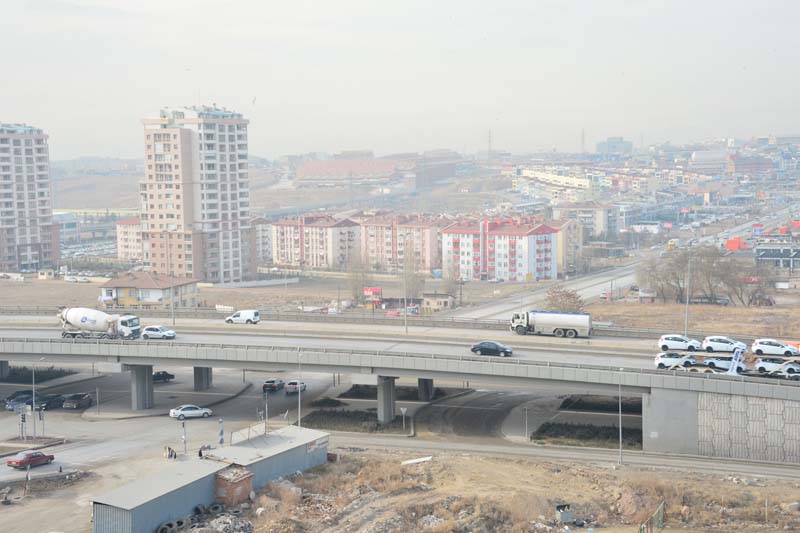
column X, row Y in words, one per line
column 93, row 324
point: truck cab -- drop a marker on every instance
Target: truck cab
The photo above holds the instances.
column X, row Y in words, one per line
column 519, row 323
column 129, row 327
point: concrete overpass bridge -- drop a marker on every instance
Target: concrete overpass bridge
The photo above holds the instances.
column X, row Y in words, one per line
column 684, row 413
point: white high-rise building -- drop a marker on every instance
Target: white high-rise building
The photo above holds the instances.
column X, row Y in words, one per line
column 28, row 238
column 196, row 194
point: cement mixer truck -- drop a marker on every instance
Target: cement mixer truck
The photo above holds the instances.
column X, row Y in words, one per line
column 86, row 323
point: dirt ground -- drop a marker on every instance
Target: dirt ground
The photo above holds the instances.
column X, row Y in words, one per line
column 309, row 292
column 778, row 321
column 373, row 492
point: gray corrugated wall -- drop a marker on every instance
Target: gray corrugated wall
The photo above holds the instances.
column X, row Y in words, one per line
column 174, row 505
column 286, row 463
column 110, row 519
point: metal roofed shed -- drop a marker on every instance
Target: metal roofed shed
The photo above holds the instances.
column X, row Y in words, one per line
column 148, row 502
column 280, row 453
column 177, row 488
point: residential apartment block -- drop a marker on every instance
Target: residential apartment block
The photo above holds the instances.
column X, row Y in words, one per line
column 320, row 242
column 598, row 220
column 196, row 194
column 391, row 243
column 28, row 238
column 569, row 240
column 499, row 249
column 129, row 239
column 261, row 240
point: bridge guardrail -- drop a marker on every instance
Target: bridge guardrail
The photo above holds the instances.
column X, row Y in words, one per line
column 185, row 348
column 372, row 318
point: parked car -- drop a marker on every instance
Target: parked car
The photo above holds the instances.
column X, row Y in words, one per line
column 678, row 342
column 71, row 279
column 247, row 316
column 773, row 347
column 294, row 386
column 80, row 400
column 189, row 411
column 17, row 393
column 722, row 344
column 710, row 300
column 83, row 280
column 19, row 401
column 776, row 364
column 30, row 458
column 491, row 348
column 157, row 332
column 47, row 401
column 162, row 376
column 723, row 362
column 671, row 359
column 780, row 374
column 272, row 385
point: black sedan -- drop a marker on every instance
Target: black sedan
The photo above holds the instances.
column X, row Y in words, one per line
column 47, row 401
column 491, row 348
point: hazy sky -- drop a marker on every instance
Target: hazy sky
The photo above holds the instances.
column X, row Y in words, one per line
column 396, row 76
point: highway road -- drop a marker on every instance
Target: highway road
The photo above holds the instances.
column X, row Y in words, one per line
column 575, row 354
column 588, row 287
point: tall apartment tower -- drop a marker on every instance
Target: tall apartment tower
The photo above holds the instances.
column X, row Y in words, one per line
column 196, row 194
column 28, row 237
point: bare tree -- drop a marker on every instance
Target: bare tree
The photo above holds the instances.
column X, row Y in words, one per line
column 564, row 300
column 357, row 278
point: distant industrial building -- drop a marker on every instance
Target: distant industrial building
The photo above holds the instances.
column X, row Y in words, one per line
column 615, row 146
column 129, row 239
column 225, row 474
column 29, row 240
column 69, row 227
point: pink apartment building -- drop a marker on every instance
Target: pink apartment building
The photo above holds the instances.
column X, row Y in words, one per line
column 389, row 242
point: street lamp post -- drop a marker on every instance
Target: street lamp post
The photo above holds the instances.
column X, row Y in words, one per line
column 619, row 397
column 299, row 386
column 33, row 395
column 527, row 435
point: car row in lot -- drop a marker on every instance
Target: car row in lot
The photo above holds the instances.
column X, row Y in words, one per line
column 762, row 365
column 719, row 343
column 23, row 399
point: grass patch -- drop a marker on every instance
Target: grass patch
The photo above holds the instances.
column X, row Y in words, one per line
column 587, row 435
column 358, row 421
column 23, row 374
column 402, row 394
column 602, row 404
column 327, row 402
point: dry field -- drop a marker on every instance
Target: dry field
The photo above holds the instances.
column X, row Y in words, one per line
column 372, row 492
column 778, row 321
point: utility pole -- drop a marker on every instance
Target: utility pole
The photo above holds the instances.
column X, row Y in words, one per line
column 619, row 396
column 171, row 277
column 688, row 290
column 33, row 400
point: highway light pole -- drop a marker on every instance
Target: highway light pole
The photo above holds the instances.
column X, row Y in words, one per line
column 527, row 435
column 33, row 396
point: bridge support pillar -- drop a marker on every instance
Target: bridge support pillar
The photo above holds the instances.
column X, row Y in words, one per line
column 203, row 377
column 670, row 422
column 386, row 399
column 5, row 370
column 141, row 387
column 424, row 389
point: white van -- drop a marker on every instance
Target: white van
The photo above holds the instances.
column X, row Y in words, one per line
column 248, row 316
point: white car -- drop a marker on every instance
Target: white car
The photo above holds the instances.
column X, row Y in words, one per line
column 671, row 359
column 776, row 364
column 678, row 342
column 157, row 332
column 773, row 347
column 247, row 316
column 83, row 280
column 294, row 386
column 189, row 411
column 722, row 344
column 723, row 362
column 71, row 279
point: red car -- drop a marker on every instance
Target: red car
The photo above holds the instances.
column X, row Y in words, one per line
column 31, row 457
